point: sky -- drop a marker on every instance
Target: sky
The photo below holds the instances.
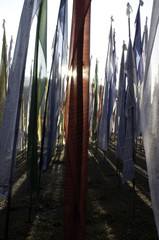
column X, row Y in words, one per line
column 101, row 12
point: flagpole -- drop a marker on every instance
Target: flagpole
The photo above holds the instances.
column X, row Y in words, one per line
column 128, row 11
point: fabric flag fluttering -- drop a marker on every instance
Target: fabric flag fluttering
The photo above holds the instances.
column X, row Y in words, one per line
column 11, row 114
column 38, row 88
column 130, row 110
column 128, row 158
column 55, row 95
column 95, row 111
column 20, row 141
column 144, row 54
column 3, row 74
column 91, row 106
column 99, row 107
column 112, row 90
column 137, row 47
column 121, row 118
column 9, row 59
column 76, row 124
column 29, row 100
column 145, row 43
column 150, row 111
column 103, row 136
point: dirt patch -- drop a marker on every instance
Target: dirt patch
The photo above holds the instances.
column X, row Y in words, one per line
column 114, row 210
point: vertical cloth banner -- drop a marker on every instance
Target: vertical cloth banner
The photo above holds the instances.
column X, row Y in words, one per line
column 20, row 142
column 11, row 114
column 150, row 111
column 139, row 67
column 38, row 88
column 55, row 94
column 95, row 111
column 112, row 88
column 3, row 74
column 128, row 158
column 99, row 107
column 103, row 125
column 138, row 47
column 121, row 118
column 29, row 101
column 76, row 124
column 9, row 57
column 91, row 106
column 144, row 54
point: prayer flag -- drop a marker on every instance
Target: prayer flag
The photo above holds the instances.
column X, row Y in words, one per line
column 3, row 74
column 121, row 118
column 108, row 98
column 55, row 94
column 150, row 111
column 128, row 158
column 94, row 125
column 139, row 67
column 11, row 114
column 39, row 78
column 76, row 124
